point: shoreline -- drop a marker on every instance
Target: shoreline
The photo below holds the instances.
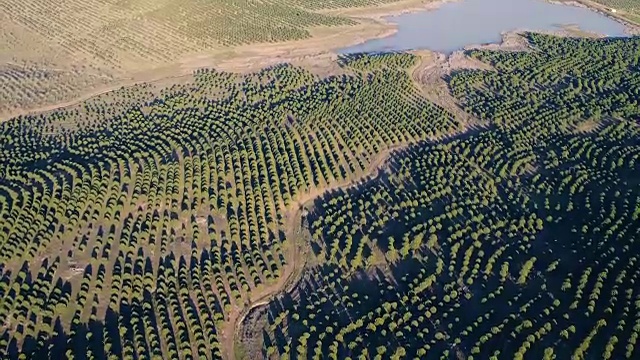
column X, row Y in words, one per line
column 631, row 28
column 324, row 42
column 382, row 16
column 512, row 40
column 509, row 41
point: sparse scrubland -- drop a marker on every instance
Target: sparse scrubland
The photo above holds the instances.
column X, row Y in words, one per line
column 174, row 222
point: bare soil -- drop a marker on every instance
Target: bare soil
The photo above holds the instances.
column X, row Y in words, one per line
column 429, row 76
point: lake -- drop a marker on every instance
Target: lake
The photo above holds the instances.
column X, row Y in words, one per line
column 455, row 25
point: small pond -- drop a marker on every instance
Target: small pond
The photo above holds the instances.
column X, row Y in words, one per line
column 454, row 25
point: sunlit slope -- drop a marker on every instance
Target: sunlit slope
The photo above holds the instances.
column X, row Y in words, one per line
column 141, row 223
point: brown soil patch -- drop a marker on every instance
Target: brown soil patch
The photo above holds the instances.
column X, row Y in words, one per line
column 588, row 126
column 429, row 76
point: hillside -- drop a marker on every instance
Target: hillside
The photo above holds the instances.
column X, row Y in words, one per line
column 286, row 212
column 167, row 209
column 53, row 52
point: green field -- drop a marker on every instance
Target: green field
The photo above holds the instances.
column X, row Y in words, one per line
column 146, row 223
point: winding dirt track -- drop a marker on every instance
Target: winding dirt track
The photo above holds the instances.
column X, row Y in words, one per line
column 298, row 252
column 297, row 256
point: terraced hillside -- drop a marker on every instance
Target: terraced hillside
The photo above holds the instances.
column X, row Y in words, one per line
column 142, row 227
column 518, row 240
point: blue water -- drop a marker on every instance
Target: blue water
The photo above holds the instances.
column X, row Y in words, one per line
column 455, row 25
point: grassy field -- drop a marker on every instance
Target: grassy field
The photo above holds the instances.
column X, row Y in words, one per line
column 351, row 215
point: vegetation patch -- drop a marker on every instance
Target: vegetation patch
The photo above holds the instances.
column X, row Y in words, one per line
column 513, row 241
column 141, row 224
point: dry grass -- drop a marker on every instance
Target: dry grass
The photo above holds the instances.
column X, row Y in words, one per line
column 53, row 52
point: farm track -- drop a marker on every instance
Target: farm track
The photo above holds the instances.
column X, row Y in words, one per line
column 428, row 71
column 293, row 215
column 299, row 249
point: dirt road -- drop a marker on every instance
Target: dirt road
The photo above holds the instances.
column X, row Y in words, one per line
column 298, row 252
